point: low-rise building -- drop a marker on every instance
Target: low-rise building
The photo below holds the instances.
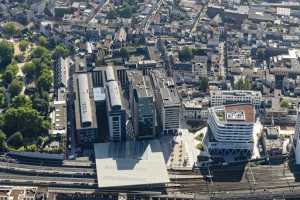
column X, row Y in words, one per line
column 272, row 143
column 224, row 97
column 192, row 110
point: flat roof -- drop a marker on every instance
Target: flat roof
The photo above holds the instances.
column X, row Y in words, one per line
column 99, row 94
column 130, row 163
column 84, row 100
column 114, row 94
column 166, row 87
column 246, row 109
column 235, row 116
column 140, row 83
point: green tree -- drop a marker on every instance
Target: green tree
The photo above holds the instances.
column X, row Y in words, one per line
column 31, row 148
column 2, row 140
column 23, row 44
column 2, row 98
column 39, row 140
column 112, row 14
column 10, row 29
column 186, row 54
column 60, row 51
column 41, row 63
column 124, row 53
column 247, row 85
column 242, row 84
column 29, row 69
column 45, row 80
column 285, row 104
column 42, row 41
column 125, row 11
column 6, row 53
column 21, row 101
column 39, row 52
column 8, row 76
column 260, row 53
column 13, row 67
column 16, row 140
column 41, row 105
column 24, row 119
column 203, row 84
column 15, row 87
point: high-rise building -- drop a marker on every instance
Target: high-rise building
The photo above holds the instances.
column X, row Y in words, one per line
column 141, row 98
column 168, row 104
column 230, row 131
column 116, row 113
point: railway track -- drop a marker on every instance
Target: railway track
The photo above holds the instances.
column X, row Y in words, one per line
column 257, row 178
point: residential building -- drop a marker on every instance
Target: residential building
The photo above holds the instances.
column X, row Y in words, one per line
column 193, row 110
column 59, row 118
column 61, row 72
column 225, row 97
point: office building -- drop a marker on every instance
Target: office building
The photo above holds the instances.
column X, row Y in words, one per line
column 230, row 131
column 101, row 112
column 100, row 76
column 142, row 105
column 168, row 104
column 116, row 112
column 85, row 112
column 224, row 97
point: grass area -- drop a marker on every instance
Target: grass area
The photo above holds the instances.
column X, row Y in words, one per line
column 199, row 137
column 221, row 116
column 200, row 146
column 14, row 149
column 194, row 129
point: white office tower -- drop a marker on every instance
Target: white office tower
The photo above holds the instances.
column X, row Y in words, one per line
column 296, row 141
column 230, row 132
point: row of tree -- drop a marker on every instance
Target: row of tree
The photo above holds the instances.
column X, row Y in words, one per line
column 187, row 54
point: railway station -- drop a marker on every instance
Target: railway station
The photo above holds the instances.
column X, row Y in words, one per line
column 131, row 163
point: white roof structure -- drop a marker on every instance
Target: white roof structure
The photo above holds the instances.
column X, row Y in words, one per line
column 130, row 163
column 110, row 74
column 85, row 105
column 99, row 94
column 114, row 94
